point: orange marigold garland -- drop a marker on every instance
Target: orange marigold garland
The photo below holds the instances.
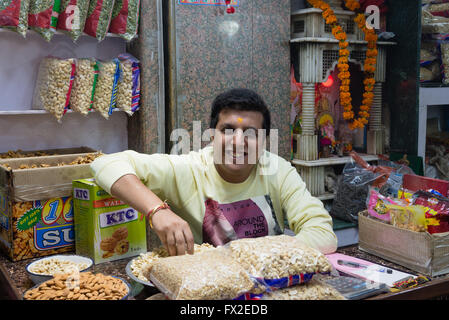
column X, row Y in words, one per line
column 343, row 66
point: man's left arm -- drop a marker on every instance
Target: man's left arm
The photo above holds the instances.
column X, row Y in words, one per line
column 306, row 214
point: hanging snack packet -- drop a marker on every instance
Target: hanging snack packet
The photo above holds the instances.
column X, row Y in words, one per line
column 99, row 18
column 125, row 18
column 54, row 85
column 128, row 93
column 81, row 98
column 209, row 275
column 43, row 17
column 276, row 262
column 14, row 15
column 72, row 17
column 106, row 88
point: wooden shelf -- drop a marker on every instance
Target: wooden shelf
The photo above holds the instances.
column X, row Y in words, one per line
column 331, row 161
column 60, row 33
column 333, row 40
column 33, row 112
column 326, row 196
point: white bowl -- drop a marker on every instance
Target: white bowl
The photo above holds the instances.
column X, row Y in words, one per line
column 39, row 278
column 133, row 277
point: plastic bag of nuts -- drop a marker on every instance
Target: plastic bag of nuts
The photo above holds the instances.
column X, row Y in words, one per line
column 16, row 19
column 128, row 92
column 312, row 290
column 54, row 85
column 82, row 95
column 79, row 286
column 72, row 17
column 278, row 261
column 99, row 18
column 209, row 275
column 106, row 87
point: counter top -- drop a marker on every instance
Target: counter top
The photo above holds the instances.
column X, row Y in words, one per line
column 14, row 274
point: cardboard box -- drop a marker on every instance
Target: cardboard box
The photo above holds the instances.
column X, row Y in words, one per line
column 36, row 207
column 106, row 229
column 419, row 251
column 48, row 152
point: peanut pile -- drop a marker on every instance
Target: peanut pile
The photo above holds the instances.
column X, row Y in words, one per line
column 88, row 286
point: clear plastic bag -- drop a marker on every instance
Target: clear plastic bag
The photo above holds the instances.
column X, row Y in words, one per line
column 128, row 89
column 54, row 85
column 81, row 98
column 125, row 19
column 72, row 17
column 278, row 261
column 14, row 16
column 98, row 18
column 43, row 17
column 312, row 290
column 210, row 275
column 106, row 88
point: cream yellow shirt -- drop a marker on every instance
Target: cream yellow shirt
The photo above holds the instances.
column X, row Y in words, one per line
column 218, row 211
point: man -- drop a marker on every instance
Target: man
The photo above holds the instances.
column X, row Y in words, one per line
column 230, row 189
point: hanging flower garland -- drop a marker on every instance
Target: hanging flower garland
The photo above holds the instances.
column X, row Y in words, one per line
column 343, row 61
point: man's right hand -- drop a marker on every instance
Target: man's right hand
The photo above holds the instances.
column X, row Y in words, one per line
column 173, row 231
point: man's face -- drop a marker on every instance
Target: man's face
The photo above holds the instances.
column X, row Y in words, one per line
column 237, row 143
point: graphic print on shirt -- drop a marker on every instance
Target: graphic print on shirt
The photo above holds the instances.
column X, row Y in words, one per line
column 248, row 218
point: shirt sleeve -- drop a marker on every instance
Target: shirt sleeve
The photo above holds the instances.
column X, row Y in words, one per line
column 306, row 214
column 156, row 171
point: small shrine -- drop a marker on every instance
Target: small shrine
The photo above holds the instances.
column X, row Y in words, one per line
column 340, row 68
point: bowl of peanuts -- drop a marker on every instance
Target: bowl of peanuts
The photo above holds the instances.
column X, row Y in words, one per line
column 80, row 286
column 45, row 268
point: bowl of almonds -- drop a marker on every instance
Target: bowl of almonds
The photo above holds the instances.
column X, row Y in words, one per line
column 80, row 286
column 45, row 268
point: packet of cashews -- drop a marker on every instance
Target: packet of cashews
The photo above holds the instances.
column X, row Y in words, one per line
column 86, row 77
column 105, row 97
column 276, row 262
column 128, row 93
column 54, row 85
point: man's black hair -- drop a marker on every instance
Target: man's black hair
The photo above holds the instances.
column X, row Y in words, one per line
column 242, row 100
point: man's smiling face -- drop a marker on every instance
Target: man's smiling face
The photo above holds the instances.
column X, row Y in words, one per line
column 236, row 143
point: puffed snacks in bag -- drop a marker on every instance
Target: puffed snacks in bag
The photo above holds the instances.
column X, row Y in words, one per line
column 278, row 261
column 210, row 275
column 14, row 15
